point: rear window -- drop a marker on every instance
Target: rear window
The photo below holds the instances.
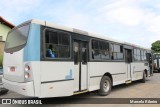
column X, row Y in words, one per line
column 17, row 39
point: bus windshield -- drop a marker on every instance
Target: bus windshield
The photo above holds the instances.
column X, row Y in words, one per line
column 16, row 39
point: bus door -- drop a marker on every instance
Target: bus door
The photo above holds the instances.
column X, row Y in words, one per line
column 128, row 60
column 80, row 51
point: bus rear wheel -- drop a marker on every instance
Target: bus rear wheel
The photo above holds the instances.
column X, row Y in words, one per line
column 105, row 86
column 144, row 77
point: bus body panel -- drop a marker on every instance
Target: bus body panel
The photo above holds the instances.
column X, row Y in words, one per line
column 137, row 69
column 118, row 70
column 56, row 71
column 76, row 77
column 15, row 60
column 31, row 52
column 84, row 76
column 26, row 89
column 32, row 56
column 32, row 48
column 94, row 83
column 57, row 78
column 29, row 55
column 35, row 69
column 57, row 89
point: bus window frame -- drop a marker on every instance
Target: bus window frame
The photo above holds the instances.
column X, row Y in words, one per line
column 43, row 57
column 102, row 60
column 140, row 55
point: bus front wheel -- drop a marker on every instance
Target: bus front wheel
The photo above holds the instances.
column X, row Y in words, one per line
column 105, row 86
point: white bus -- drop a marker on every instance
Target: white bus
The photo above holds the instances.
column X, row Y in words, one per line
column 42, row 59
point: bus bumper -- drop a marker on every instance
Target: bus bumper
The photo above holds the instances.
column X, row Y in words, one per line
column 26, row 89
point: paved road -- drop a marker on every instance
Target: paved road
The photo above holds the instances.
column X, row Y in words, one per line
column 150, row 89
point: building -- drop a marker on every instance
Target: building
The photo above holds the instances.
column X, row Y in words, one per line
column 5, row 27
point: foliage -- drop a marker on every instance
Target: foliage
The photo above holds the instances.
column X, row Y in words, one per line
column 156, row 46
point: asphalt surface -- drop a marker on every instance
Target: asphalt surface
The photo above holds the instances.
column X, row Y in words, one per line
column 137, row 89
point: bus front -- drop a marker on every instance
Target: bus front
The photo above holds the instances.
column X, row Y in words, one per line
column 22, row 51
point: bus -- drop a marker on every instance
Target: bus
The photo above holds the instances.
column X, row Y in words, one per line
column 156, row 62
column 43, row 59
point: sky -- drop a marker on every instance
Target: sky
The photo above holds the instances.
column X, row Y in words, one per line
column 134, row 21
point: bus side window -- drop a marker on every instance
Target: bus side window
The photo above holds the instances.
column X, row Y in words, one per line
column 57, row 44
column 137, row 55
column 93, row 54
column 118, row 52
column 95, row 49
column 51, row 42
column 111, row 51
column 104, row 50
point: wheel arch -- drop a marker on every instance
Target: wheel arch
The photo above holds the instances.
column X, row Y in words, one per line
column 146, row 72
column 109, row 75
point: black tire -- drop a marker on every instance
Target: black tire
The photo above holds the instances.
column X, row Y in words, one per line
column 3, row 91
column 105, row 86
column 144, row 77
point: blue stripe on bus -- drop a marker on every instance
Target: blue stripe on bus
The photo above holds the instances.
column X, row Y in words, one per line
column 32, row 48
column 70, row 75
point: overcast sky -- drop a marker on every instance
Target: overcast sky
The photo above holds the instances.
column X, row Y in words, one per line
column 135, row 21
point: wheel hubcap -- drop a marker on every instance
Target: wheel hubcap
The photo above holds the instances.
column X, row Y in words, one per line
column 106, row 86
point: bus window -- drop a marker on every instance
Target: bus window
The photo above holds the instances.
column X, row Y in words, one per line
column 100, row 50
column 63, row 45
column 142, row 55
column 145, row 56
column 116, row 48
column 57, row 44
column 137, row 54
column 17, row 39
column 117, row 52
column 95, row 49
column 111, row 50
column 104, row 50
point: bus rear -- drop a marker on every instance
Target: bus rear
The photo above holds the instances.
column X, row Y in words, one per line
column 22, row 51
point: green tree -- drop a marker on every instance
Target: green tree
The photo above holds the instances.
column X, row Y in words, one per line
column 156, row 46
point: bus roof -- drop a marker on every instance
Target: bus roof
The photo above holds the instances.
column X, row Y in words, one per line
column 53, row 25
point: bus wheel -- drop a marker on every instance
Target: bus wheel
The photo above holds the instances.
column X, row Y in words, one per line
column 144, row 77
column 105, row 86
